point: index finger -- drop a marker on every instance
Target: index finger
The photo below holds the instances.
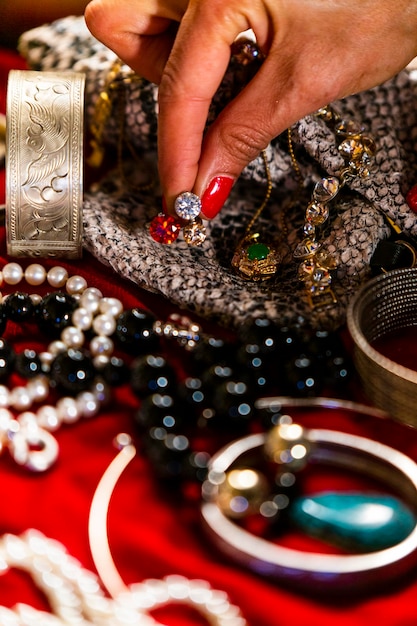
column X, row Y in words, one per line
column 192, row 75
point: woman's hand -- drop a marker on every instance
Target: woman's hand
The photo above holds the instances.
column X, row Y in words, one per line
column 316, row 51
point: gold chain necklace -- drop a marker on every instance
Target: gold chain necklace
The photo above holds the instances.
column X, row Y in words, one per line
column 258, row 261
column 114, row 94
column 253, row 258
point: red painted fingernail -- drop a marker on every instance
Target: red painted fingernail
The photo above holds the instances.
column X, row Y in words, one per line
column 216, row 195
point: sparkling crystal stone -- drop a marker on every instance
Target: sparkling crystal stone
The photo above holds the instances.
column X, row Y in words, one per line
column 306, row 269
column 317, row 213
column 309, row 230
column 187, row 205
column 326, row 189
column 360, row 521
column 195, row 233
column 306, row 248
column 349, row 128
column 164, row 228
column 352, row 148
column 321, row 277
column 327, row 114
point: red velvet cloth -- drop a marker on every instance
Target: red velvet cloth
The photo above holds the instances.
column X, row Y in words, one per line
column 152, row 535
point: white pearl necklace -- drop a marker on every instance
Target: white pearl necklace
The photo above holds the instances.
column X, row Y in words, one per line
column 28, row 436
column 76, row 598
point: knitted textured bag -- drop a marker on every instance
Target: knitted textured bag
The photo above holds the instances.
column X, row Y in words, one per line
column 200, row 279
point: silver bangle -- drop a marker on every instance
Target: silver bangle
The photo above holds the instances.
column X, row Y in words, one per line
column 384, row 305
column 311, row 570
column 44, row 163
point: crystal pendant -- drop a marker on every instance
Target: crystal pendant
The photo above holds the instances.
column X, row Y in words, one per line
column 187, row 205
column 195, row 232
column 358, row 521
column 306, row 269
column 349, row 128
column 317, row 213
column 164, row 228
column 255, row 260
column 306, row 248
column 309, row 229
column 321, row 277
column 326, row 189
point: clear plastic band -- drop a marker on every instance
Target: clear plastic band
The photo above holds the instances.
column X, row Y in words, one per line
column 44, row 164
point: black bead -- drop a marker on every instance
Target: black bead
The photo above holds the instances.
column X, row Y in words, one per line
column 303, row 377
column 19, row 307
column 134, row 330
column 152, row 374
column 192, row 391
column 28, row 364
column 338, row 371
column 331, row 357
column 257, row 367
column 7, row 359
column 169, row 454
column 211, row 350
column 54, row 313
column 116, row 372
column 73, row 371
column 3, row 318
column 162, row 410
column 264, row 334
column 233, row 404
column 215, row 375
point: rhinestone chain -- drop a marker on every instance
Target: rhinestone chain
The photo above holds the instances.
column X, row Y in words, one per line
column 357, row 149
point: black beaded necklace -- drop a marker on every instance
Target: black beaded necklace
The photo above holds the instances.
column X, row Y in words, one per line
column 189, row 400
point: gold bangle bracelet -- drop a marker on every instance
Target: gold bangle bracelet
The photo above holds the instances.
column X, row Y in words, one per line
column 44, row 163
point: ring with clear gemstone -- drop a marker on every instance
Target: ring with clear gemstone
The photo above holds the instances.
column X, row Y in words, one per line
column 187, row 206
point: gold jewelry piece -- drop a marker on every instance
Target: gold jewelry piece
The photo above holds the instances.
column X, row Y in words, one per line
column 254, row 258
column 44, row 167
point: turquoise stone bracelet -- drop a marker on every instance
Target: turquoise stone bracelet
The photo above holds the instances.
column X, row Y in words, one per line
column 358, row 521
column 382, row 546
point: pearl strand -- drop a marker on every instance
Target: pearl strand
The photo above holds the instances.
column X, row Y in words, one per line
column 76, row 598
column 31, row 429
